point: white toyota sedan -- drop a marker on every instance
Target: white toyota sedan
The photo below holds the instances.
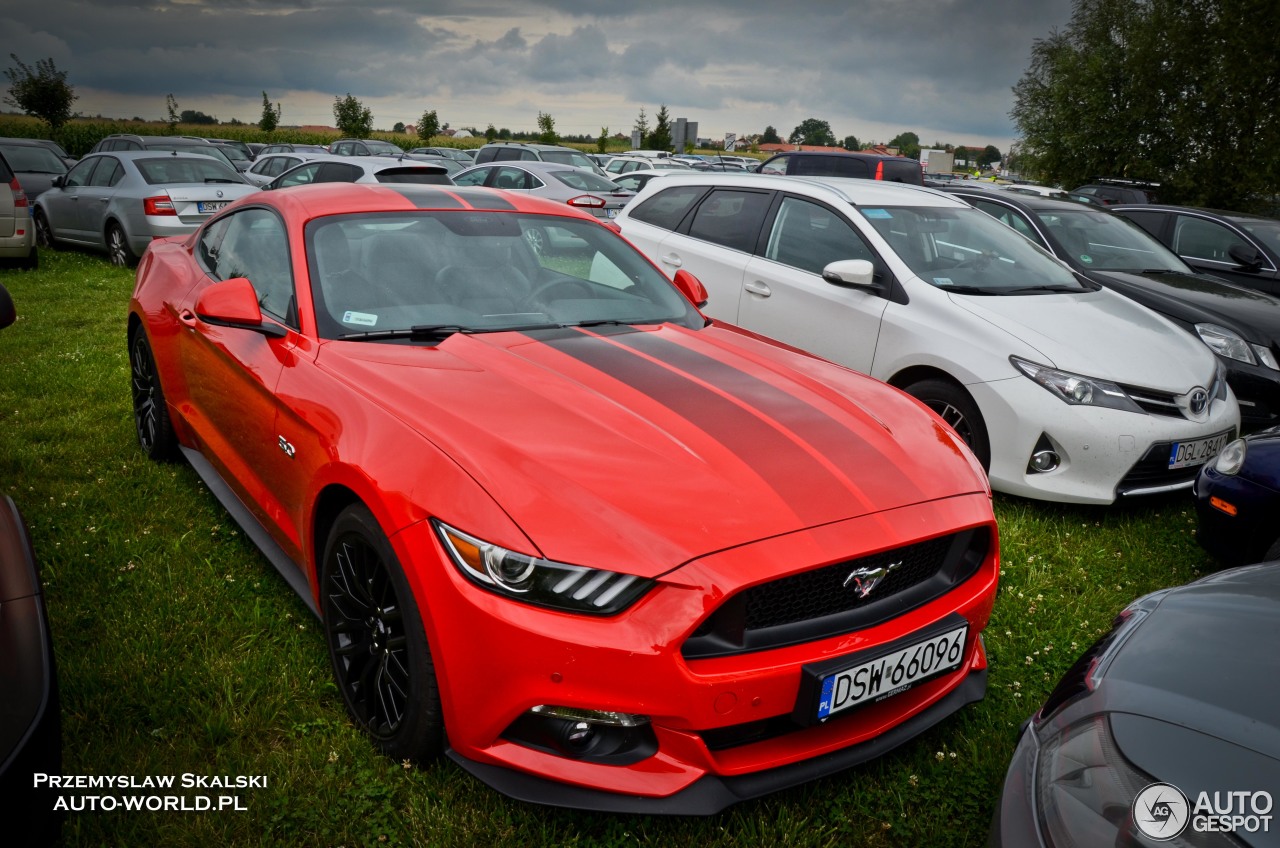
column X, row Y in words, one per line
column 1064, row 391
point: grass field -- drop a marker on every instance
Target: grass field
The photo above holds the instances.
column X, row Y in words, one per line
column 180, row 650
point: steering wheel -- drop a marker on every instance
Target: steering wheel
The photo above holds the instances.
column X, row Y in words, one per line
column 578, row 287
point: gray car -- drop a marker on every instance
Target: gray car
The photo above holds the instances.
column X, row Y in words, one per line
column 362, row 169
column 34, row 164
column 268, row 166
column 577, row 187
column 119, row 202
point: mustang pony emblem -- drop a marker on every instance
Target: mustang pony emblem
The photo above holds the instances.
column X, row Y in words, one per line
column 864, row 580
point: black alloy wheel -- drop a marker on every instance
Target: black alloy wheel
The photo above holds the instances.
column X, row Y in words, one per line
column 44, row 233
column 150, row 414
column 954, row 406
column 118, row 250
column 377, row 644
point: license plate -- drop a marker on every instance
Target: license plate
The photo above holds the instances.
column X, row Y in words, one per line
column 210, row 205
column 611, row 213
column 891, row 674
column 1198, row 452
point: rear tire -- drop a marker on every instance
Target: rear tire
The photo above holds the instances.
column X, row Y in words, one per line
column 44, row 233
column 118, row 250
column 377, row 646
column 954, row 406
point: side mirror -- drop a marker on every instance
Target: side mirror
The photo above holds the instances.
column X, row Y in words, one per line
column 59, row 181
column 8, row 314
column 852, row 273
column 692, row 288
column 1246, row 257
column 234, row 303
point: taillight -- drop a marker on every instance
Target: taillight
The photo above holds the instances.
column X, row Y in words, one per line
column 880, row 170
column 587, row 201
column 161, row 204
column 19, row 196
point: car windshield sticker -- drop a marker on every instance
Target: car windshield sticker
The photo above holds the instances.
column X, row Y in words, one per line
column 363, row 318
column 1086, row 259
column 877, row 213
column 942, row 281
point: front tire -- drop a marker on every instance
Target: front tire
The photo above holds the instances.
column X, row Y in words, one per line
column 954, row 406
column 377, row 646
column 150, row 412
column 118, row 250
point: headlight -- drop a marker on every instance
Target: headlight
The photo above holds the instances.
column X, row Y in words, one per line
column 1231, row 458
column 1266, row 357
column 540, row 581
column 1226, row 343
column 1075, row 389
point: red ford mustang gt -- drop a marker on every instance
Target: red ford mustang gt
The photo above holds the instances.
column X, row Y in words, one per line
column 601, row 551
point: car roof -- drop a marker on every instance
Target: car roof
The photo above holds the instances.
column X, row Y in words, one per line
column 320, row 199
column 130, row 155
column 1028, row 201
column 858, row 192
column 1212, row 213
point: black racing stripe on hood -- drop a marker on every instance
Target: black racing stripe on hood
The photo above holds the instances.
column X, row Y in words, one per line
column 794, row 473
column 428, row 198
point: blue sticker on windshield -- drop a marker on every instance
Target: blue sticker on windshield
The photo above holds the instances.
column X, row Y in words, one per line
column 877, row 213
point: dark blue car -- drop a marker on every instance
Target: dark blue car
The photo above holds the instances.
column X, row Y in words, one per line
column 1238, row 500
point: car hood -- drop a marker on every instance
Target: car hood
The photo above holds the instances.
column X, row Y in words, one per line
column 654, row 446
column 1099, row 334
column 1193, row 694
column 1197, row 298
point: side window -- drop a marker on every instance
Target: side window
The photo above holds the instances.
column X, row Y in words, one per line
column 1152, row 222
column 254, row 246
column 776, row 165
column 338, row 172
column 667, row 209
column 511, row 178
column 301, row 176
column 1009, row 218
column 108, row 173
column 832, row 166
column 731, row 218
column 472, row 178
column 1200, row 239
column 808, row 236
column 210, row 242
column 80, row 174
column 505, row 154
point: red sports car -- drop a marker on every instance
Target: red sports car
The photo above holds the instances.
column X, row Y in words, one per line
column 601, row 551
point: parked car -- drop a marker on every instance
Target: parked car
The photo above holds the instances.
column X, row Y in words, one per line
column 179, row 143
column 361, row 169
column 519, row 151
column 242, row 146
column 119, row 202
column 238, row 158
column 364, row 147
column 17, row 230
column 1111, row 192
column 626, row 164
column 285, row 147
column 866, row 166
column 1239, row 325
column 268, row 166
column 473, row 483
column 453, row 153
column 34, row 164
column 30, row 720
column 53, row 146
column 1237, row 500
column 564, row 184
column 449, row 163
column 1244, row 249
column 1163, row 731
column 636, row 180
column 1065, row 391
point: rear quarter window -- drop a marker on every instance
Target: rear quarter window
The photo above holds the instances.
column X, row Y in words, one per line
column 667, row 209
column 731, row 218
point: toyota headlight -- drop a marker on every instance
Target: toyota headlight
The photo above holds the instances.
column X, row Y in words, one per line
column 539, row 581
column 1077, row 389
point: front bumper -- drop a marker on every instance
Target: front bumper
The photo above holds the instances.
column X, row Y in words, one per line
column 1105, row 453
column 721, row 725
column 1240, row 538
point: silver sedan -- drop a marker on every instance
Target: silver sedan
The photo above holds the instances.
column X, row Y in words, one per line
column 120, row 201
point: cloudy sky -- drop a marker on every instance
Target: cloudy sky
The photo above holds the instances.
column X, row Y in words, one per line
column 870, row 68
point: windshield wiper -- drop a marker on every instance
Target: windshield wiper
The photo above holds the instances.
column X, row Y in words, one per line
column 952, row 287
column 422, row 333
column 604, row 322
column 1022, row 289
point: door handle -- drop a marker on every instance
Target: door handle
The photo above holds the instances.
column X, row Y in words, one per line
column 757, row 287
column 673, row 260
column 188, row 318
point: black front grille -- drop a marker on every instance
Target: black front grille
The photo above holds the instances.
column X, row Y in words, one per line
column 826, row 601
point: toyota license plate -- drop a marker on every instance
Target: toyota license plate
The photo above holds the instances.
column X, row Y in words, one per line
column 1197, row 452
column 891, row 674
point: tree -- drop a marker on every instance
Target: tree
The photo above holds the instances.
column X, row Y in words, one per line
column 171, row 108
column 270, row 115
column 603, row 141
column 43, row 93
column 907, row 143
column 490, row 133
column 660, row 138
column 1181, row 93
column 989, row 156
column 851, row 143
column 813, row 131
column 354, row 120
column 191, row 116
column 641, row 126
column 428, row 125
column 398, row 127
column 547, row 129
column 770, row 136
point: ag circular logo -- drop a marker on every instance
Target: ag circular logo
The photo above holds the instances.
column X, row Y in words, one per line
column 1161, row 811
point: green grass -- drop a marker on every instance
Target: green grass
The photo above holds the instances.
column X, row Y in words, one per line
column 181, row 651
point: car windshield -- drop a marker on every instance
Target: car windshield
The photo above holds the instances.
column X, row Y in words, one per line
column 568, row 157
column 423, row 275
column 233, row 153
column 1108, row 242
column 1267, row 232
column 32, row 160
column 381, row 147
column 585, row 181
column 168, row 170
column 198, row 149
column 967, row 250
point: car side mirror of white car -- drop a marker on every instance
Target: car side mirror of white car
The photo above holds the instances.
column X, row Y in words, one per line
column 852, row 273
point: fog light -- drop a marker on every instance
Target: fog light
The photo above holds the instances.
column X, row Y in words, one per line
column 597, row 736
column 577, row 736
column 1044, row 460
